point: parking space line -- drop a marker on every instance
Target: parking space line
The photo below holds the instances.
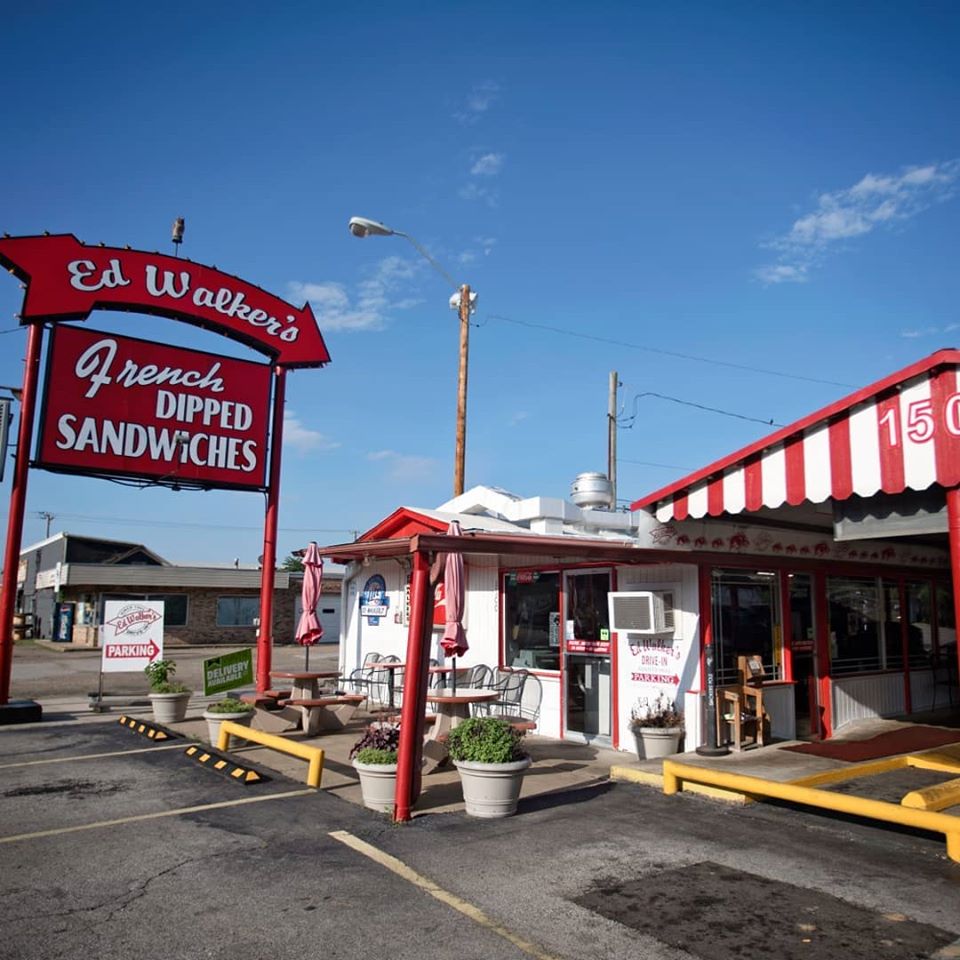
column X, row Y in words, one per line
column 180, row 811
column 92, row 756
column 444, row 896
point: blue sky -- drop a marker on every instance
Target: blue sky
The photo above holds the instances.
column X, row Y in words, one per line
column 768, row 186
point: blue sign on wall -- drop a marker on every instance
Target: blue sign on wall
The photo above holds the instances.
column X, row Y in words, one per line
column 374, row 601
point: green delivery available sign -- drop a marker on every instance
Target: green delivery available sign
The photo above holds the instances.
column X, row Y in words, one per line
column 227, row 671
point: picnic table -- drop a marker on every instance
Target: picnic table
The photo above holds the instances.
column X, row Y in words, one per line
column 305, row 706
column 453, row 708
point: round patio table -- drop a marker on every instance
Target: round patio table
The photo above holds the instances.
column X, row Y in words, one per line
column 453, row 708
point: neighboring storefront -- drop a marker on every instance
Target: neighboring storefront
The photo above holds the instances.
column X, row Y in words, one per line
column 822, row 548
column 65, row 580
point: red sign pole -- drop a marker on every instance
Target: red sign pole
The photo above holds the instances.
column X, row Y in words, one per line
column 265, row 640
column 18, row 497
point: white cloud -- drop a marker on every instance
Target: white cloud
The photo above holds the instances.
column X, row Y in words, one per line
column 475, row 191
column 929, row 331
column 402, row 466
column 875, row 200
column 519, row 416
column 489, row 165
column 369, row 308
column 481, row 97
column 302, row 438
column 485, row 244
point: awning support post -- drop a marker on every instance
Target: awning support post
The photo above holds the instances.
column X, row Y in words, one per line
column 953, row 526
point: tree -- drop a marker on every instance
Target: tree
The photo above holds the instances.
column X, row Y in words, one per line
column 292, row 564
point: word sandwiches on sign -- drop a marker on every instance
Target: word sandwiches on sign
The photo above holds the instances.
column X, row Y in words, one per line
column 66, row 279
column 115, row 406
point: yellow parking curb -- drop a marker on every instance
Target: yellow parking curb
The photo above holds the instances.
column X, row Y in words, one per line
column 650, row 779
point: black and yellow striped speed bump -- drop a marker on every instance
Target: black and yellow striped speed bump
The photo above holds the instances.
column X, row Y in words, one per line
column 148, row 729
column 226, row 766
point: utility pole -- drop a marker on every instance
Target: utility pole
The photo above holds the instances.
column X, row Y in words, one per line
column 612, row 437
column 458, row 467
column 46, row 515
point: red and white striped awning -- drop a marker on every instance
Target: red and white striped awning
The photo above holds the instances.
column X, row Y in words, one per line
column 901, row 433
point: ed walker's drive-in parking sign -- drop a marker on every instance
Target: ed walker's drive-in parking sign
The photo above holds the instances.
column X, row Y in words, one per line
column 132, row 635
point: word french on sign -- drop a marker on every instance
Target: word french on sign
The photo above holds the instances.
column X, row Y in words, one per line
column 116, row 406
column 132, row 635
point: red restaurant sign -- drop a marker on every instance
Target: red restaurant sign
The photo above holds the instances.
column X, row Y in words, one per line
column 66, row 279
column 116, row 406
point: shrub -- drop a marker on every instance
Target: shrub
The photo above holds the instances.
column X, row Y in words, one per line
column 661, row 713
column 485, row 740
column 380, row 737
column 229, row 705
column 159, row 674
column 373, row 755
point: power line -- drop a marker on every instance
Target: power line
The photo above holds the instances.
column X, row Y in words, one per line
column 627, row 424
column 668, row 353
column 647, row 463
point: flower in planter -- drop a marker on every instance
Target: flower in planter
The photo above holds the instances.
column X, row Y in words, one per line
column 378, row 745
column 661, row 713
column 230, row 705
column 160, row 675
column 486, row 740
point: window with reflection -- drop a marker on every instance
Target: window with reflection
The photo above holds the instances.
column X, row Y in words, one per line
column 855, row 608
column 587, row 615
column 746, row 620
column 531, row 620
column 946, row 623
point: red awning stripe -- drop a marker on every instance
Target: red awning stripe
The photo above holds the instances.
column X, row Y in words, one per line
column 906, row 437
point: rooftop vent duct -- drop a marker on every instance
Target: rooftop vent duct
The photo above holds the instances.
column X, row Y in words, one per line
column 592, row 491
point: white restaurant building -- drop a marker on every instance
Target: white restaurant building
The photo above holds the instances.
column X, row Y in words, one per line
column 823, row 547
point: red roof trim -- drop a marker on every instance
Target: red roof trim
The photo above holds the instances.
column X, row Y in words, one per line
column 403, row 522
column 938, row 359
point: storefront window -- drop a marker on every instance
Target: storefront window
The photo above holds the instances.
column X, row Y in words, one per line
column 531, row 620
column 854, row 604
column 237, row 611
column 587, row 619
column 746, row 620
column 920, row 620
column 892, row 626
column 946, row 624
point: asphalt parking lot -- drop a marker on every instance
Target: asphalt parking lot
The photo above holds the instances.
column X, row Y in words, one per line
column 150, row 855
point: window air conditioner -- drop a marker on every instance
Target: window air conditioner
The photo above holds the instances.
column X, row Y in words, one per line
column 643, row 611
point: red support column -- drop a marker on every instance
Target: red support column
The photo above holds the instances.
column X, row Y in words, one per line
column 18, row 498
column 953, row 525
column 269, row 563
column 821, row 619
column 414, row 690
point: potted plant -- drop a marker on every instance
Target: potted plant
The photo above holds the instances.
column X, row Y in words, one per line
column 489, row 756
column 230, row 708
column 657, row 727
column 374, row 758
column 169, row 697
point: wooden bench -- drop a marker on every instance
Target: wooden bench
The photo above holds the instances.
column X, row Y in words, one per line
column 326, row 713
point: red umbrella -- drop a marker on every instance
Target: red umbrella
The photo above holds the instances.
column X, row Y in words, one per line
column 454, row 642
column 309, row 630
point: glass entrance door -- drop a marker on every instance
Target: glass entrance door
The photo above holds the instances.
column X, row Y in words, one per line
column 586, row 642
column 804, row 653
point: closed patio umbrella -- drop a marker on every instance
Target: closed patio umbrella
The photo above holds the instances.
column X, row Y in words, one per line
column 454, row 641
column 309, row 630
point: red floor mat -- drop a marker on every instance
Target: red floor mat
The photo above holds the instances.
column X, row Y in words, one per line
column 904, row 740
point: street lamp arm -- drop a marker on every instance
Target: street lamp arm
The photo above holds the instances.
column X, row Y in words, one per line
column 436, row 266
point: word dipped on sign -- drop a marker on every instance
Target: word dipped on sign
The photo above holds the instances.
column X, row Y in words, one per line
column 132, row 635
column 66, row 279
column 115, row 406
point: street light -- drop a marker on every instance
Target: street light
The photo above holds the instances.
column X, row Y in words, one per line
column 464, row 301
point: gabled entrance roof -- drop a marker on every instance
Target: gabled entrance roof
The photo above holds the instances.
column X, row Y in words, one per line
column 900, row 433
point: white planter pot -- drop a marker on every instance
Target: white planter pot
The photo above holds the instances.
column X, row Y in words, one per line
column 378, row 783
column 653, row 742
column 491, row 790
column 169, row 707
column 215, row 719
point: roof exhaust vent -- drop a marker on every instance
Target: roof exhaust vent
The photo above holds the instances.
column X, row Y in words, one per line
column 592, row 491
